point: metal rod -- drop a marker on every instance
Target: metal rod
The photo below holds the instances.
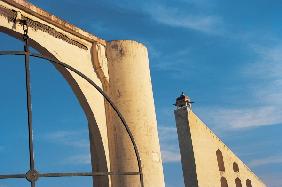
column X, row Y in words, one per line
column 14, row 176
column 29, row 110
column 85, row 174
column 72, row 174
column 12, row 52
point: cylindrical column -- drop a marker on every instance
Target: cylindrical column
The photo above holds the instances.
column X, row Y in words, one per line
column 131, row 90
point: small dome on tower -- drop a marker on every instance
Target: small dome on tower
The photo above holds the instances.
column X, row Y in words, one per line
column 183, row 101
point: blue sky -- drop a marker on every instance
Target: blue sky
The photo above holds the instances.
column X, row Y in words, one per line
column 224, row 54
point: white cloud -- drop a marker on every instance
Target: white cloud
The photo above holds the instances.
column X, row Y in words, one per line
column 175, row 18
column 200, row 3
column 240, row 118
column 273, row 179
column 265, row 94
column 78, row 139
column 170, row 156
column 81, row 159
column 266, row 161
column 167, row 132
column 169, row 144
column 268, row 65
column 267, row 71
column 173, row 62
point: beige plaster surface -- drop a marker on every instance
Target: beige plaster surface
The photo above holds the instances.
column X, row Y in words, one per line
column 131, row 89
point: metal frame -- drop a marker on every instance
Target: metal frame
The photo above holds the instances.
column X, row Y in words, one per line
column 33, row 175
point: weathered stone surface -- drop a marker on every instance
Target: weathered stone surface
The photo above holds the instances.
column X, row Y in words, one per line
column 131, row 89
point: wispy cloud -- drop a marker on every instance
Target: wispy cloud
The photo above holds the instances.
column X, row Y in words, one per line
column 200, row 3
column 241, row 118
column 167, row 132
column 174, row 64
column 265, row 94
column 273, row 179
column 175, row 17
column 80, row 159
column 267, row 72
column 170, row 156
column 266, row 161
column 169, row 145
column 78, row 139
column 268, row 65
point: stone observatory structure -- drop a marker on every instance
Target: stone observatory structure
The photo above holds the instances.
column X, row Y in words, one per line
column 112, row 82
column 206, row 160
column 120, row 71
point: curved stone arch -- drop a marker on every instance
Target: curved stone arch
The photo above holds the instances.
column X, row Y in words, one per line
column 98, row 136
column 109, row 65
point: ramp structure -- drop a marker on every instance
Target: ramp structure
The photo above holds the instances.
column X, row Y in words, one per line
column 206, row 160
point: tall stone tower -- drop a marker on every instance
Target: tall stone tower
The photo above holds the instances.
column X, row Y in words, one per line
column 183, row 107
column 131, row 89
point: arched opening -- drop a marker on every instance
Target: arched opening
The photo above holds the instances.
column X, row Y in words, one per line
column 238, row 182
column 61, row 135
column 223, row 182
column 96, row 157
column 235, row 167
column 249, row 183
column 99, row 172
column 220, row 160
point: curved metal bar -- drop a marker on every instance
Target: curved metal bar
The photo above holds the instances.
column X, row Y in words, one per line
column 108, row 100
column 54, row 61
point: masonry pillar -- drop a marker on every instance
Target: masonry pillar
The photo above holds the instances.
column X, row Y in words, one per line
column 131, row 90
column 183, row 108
